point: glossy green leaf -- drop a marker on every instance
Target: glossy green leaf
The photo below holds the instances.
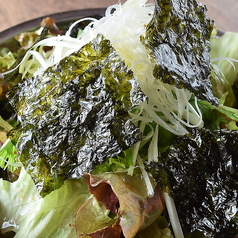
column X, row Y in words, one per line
column 25, row 212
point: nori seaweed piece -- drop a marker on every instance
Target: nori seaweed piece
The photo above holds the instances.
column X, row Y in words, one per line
column 75, row 115
column 202, row 172
column 177, row 39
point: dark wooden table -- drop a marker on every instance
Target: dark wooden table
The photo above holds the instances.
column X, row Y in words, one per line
column 13, row 12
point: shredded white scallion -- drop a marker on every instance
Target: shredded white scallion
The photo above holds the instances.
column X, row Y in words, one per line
column 173, row 216
column 77, row 22
column 153, row 147
column 230, row 60
column 146, row 177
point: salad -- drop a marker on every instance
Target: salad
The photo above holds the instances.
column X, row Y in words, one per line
column 125, row 127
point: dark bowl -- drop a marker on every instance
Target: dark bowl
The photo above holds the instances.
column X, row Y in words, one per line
column 62, row 20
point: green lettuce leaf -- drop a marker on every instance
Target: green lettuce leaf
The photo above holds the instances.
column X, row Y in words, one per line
column 229, row 50
column 27, row 39
column 25, row 212
column 218, row 117
column 4, row 125
column 8, row 156
column 82, row 209
column 225, row 66
column 6, row 61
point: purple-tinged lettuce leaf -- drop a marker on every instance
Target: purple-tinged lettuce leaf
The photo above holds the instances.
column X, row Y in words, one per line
column 130, row 206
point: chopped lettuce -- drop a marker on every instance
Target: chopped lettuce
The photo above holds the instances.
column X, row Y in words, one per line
column 6, row 61
column 27, row 39
column 4, row 125
column 154, row 230
column 25, row 212
column 226, row 57
column 119, row 205
column 218, row 117
column 8, row 156
column 225, row 67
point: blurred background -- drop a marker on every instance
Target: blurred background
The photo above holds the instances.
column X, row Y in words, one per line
column 13, row 12
column 224, row 12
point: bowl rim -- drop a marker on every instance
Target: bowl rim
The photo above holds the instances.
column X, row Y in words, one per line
column 59, row 17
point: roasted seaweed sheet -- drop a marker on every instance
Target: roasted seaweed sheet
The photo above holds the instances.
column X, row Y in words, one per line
column 177, row 39
column 202, row 171
column 75, row 115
